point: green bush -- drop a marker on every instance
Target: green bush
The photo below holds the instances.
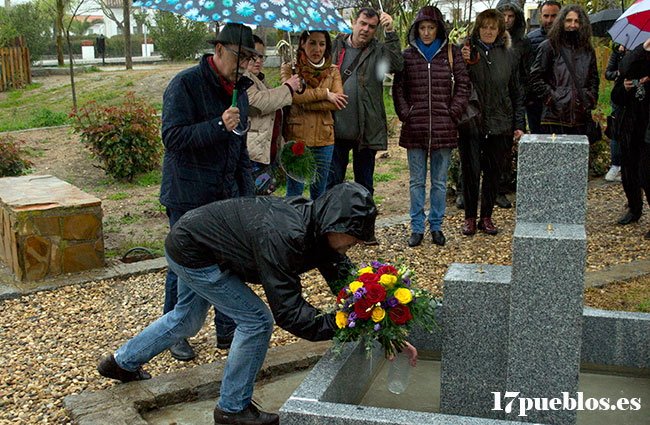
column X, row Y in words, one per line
column 177, row 37
column 126, row 138
column 30, row 21
column 115, row 45
column 12, row 157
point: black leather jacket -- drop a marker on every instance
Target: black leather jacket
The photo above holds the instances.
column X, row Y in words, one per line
column 271, row 241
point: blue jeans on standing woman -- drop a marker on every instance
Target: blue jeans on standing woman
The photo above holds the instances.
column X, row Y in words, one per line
column 323, row 156
column 363, row 164
column 417, row 159
column 197, row 290
column 225, row 325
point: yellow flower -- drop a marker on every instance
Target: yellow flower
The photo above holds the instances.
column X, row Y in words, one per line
column 355, row 285
column 341, row 319
column 388, row 280
column 378, row 314
column 403, row 295
column 365, row 270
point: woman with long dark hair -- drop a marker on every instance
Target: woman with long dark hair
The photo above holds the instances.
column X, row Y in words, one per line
column 310, row 119
column 482, row 144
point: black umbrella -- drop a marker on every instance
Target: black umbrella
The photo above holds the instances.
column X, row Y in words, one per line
column 602, row 21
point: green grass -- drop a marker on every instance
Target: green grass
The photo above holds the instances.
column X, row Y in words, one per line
column 388, row 102
column 130, row 219
column 117, row 196
column 152, row 178
column 644, row 306
column 383, row 177
column 399, row 167
column 157, row 246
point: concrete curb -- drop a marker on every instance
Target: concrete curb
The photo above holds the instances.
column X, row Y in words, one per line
column 124, row 403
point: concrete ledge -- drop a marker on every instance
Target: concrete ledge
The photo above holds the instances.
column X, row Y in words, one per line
column 124, row 403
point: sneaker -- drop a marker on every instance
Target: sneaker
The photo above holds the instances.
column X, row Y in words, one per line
column 109, row 368
column 614, row 174
column 460, row 202
column 251, row 415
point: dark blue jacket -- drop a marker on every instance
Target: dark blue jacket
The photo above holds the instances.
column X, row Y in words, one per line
column 203, row 162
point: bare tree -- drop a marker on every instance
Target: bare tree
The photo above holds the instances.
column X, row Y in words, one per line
column 126, row 8
column 106, row 6
column 67, row 39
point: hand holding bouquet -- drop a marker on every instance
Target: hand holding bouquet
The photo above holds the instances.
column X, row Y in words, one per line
column 379, row 304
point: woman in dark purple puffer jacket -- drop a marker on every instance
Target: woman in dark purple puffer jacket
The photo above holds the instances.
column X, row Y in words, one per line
column 429, row 99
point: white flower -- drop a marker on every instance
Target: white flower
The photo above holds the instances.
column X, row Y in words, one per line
column 283, row 24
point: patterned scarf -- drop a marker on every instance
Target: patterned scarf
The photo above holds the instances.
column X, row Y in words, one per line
column 311, row 74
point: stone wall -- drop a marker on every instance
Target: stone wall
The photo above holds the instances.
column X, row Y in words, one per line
column 48, row 227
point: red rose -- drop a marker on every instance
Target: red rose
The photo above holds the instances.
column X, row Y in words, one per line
column 343, row 295
column 387, row 270
column 400, row 314
column 369, row 278
column 375, row 292
column 298, row 148
column 363, row 308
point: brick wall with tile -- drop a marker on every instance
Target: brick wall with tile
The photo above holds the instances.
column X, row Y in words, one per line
column 48, row 227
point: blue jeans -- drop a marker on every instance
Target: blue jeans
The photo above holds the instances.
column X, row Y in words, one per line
column 323, row 155
column 615, row 151
column 363, row 164
column 225, row 325
column 197, row 290
column 417, row 159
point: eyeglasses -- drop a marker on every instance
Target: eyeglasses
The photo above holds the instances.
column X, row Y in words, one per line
column 263, row 57
column 241, row 56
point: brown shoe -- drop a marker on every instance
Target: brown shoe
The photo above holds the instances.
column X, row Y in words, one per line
column 251, row 415
column 469, row 228
column 487, row 226
column 109, row 368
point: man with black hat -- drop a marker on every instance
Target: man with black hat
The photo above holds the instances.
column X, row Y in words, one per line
column 205, row 160
column 217, row 248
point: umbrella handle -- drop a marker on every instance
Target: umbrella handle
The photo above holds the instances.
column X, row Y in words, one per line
column 303, row 85
column 234, row 98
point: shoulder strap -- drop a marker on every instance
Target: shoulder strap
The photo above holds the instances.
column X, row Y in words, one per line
column 347, row 72
column 572, row 71
column 450, row 55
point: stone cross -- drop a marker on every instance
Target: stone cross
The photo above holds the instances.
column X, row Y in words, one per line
column 519, row 328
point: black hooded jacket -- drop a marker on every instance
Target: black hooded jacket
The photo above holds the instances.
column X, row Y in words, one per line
column 271, row 241
column 521, row 45
column 634, row 66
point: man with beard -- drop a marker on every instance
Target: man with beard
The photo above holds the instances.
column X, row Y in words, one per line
column 547, row 13
column 565, row 74
column 521, row 47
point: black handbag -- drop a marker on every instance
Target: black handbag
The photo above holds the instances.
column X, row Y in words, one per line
column 472, row 112
column 611, row 131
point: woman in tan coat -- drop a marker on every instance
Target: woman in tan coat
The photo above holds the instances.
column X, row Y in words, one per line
column 266, row 103
column 310, row 119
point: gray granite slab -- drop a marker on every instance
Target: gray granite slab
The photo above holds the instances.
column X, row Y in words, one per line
column 552, row 179
column 546, row 314
column 476, row 311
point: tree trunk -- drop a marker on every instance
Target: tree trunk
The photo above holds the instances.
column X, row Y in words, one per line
column 127, row 34
column 60, row 12
column 7, row 4
column 72, row 86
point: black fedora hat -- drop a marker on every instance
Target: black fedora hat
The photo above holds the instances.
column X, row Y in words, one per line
column 235, row 34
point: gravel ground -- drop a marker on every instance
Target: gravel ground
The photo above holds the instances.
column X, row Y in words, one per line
column 52, row 341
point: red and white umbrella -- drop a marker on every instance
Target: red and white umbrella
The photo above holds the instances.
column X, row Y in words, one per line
column 632, row 27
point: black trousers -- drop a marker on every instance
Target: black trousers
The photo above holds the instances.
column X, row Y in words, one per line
column 480, row 153
column 635, row 171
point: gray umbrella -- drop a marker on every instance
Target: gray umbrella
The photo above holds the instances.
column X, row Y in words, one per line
column 602, row 21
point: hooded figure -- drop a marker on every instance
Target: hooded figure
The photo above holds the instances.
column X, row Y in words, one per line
column 217, row 248
column 521, row 46
column 430, row 95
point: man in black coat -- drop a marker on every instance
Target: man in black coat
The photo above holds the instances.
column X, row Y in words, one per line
column 217, row 248
column 548, row 11
column 205, row 160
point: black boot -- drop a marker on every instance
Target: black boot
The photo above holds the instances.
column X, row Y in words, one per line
column 109, row 368
column 415, row 239
column 437, row 237
column 182, row 351
column 224, row 342
column 629, row 218
column 503, row 202
column 251, row 415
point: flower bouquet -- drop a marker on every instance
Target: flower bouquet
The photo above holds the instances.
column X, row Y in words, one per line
column 378, row 303
column 298, row 161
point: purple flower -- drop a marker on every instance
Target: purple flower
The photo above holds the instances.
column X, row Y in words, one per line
column 351, row 324
column 407, row 282
column 360, row 293
column 375, row 264
column 377, row 327
column 352, row 317
column 392, row 301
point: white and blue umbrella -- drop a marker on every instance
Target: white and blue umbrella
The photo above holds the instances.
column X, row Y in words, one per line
column 287, row 15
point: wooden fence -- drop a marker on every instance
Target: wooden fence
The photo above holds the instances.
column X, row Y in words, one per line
column 15, row 66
